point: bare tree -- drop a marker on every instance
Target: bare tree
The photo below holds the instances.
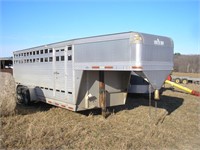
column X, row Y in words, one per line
column 187, row 63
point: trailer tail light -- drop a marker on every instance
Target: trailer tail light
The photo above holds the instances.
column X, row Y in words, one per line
column 108, row 67
column 63, row 106
column 102, row 67
column 70, row 108
column 95, row 67
column 56, row 104
column 137, row 67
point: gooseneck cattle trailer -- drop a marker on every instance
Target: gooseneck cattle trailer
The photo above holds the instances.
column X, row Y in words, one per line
column 93, row 72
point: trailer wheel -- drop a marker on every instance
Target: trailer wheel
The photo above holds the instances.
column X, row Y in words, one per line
column 26, row 97
column 177, row 80
column 185, row 81
column 19, row 97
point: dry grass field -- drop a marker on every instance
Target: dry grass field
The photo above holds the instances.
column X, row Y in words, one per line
column 173, row 125
column 194, row 75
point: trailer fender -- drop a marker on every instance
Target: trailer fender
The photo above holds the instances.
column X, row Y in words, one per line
column 26, row 96
column 33, row 95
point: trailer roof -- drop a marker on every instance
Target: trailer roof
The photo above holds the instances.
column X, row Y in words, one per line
column 113, row 36
column 75, row 39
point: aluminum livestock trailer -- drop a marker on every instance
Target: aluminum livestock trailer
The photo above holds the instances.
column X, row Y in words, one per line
column 92, row 72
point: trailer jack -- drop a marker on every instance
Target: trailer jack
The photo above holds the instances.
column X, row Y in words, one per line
column 156, row 95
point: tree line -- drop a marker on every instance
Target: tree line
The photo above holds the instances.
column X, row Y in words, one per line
column 186, row 63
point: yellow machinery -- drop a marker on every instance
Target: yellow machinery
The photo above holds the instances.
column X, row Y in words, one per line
column 192, row 92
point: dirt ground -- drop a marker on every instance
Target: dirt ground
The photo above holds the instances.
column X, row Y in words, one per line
column 174, row 124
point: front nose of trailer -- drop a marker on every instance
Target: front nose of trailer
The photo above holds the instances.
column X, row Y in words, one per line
column 154, row 55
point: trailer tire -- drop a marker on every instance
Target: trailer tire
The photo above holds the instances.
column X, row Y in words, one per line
column 185, row 81
column 177, row 80
column 26, row 97
column 19, row 98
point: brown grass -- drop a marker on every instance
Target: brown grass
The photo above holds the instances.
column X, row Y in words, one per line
column 194, row 75
column 173, row 125
column 7, row 94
